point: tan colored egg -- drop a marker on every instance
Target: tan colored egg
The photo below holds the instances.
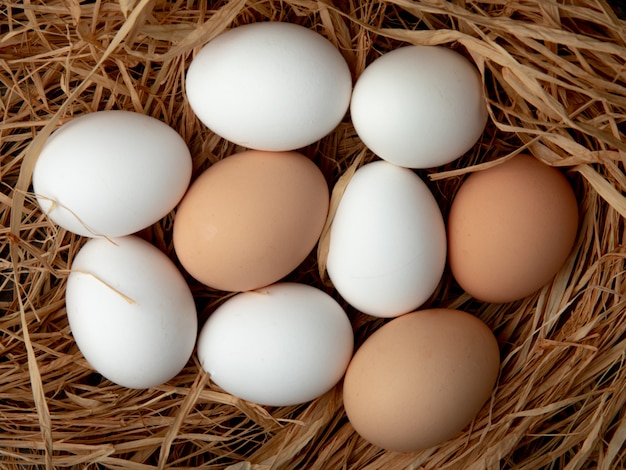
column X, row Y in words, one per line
column 510, row 229
column 420, row 379
column 251, row 219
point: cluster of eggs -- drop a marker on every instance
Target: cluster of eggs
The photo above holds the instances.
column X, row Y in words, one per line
column 253, row 217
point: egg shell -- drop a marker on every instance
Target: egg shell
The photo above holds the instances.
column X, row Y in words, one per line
column 111, row 173
column 269, row 86
column 387, row 249
column 250, row 219
column 130, row 311
column 420, row 379
column 286, row 344
column 419, row 106
column 510, row 229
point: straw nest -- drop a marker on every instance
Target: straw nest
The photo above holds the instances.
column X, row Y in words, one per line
column 555, row 76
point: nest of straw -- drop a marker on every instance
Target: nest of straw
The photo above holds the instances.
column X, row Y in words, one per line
column 555, row 77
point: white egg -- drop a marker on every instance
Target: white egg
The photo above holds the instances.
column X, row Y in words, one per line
column 269, row 86
column 130, row 311
column 111, row 173
column 419, row 106
column 387, row 248
column 281, row 345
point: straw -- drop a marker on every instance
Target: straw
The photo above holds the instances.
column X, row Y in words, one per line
column 554, row 73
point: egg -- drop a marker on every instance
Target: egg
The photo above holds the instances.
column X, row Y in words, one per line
column 387, row 248
column 111, row 173
column 130, row 311
column 250, row 219
column 510, row 229
column 419, row 106
column 420, row 379
column 269, row 86
column 285, row 344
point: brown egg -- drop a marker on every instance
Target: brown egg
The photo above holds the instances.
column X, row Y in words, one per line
column 420, row 379
column 250, row 219
column 510, row 229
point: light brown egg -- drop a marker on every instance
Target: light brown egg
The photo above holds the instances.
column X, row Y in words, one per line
column 510, row 229
column 420, row 379
column 251, row 219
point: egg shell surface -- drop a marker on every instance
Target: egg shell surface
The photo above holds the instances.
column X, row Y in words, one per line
column 111, row 173
column 130, row 311
column 419, row 106
column 510, row 229
column 250, row 219
column 283, row 345
column 420, row 379
column 269, row 86
column 387, row 249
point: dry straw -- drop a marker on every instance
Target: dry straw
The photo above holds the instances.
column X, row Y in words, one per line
column 555, row 76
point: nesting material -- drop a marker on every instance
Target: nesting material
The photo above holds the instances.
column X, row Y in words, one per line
column 555, row 76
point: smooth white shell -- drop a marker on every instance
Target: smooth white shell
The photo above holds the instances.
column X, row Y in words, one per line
column 130, row 311
column 111, row 173
column 281, row 345
column 387, row 248
column 419, row 106
column 269, row 86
